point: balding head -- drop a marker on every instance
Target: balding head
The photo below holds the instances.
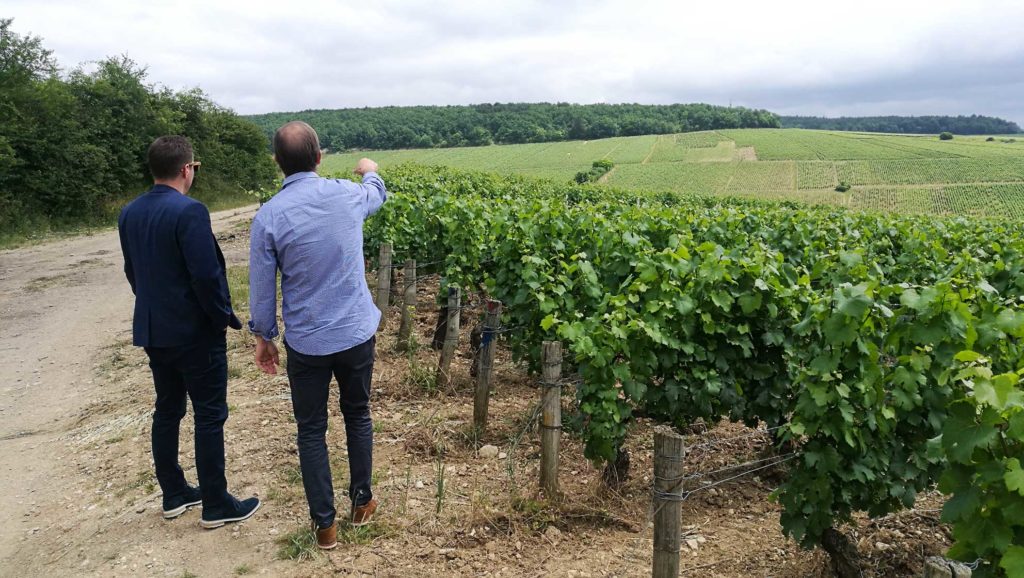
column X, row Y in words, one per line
column 296, row 148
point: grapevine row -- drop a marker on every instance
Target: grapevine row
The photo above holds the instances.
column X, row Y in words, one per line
column 850, row 331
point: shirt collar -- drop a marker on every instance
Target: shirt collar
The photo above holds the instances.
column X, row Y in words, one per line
column 298, row 176
column 164, row 189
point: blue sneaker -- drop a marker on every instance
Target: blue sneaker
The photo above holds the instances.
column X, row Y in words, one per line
column 176, row 505
column 232, row 511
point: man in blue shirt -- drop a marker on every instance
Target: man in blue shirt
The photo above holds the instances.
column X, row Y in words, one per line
column 312, row 232
column 182, row 312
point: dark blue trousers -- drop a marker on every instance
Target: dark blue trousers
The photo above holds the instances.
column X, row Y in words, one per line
column 200, row 372
column 310, row 380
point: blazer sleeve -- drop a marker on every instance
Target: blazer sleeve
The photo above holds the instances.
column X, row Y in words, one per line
column 199, row 250
column 129, row 270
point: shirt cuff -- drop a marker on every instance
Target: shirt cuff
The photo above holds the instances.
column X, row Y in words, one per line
column 268, row 335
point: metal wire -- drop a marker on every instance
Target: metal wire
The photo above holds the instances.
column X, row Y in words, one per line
column 699, row 475
column 717, row 442
column 511, row 329
column 683, row 495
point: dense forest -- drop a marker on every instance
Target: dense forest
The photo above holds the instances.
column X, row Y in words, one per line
column 73, row 145
column 974, row 124
column 484, row 124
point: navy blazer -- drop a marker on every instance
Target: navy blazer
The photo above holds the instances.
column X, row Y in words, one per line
column 176, row 270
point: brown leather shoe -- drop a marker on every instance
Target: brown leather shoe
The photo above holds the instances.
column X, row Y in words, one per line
column 362, row 515
column 326, row 538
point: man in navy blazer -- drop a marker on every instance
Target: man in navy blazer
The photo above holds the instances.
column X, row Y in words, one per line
column 182, row 312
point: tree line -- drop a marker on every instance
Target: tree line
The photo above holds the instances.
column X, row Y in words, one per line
column 483, row 124
column 73, row 145
column 973, row 124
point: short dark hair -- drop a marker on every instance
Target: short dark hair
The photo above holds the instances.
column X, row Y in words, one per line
column 167, row 155
column 296, row 147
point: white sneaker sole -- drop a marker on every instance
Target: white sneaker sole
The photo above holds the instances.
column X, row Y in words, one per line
column 211, row 524
column 171, row 514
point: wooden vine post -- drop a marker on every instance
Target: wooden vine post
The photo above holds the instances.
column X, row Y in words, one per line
column 667, row 501
column 408, row 304
column 384, row 278
column 488, row 347
column 451, row 338
column 551, row 417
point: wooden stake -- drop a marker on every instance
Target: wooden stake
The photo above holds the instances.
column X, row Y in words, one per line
column 488, row 347
column 551, row 418
column 667, row 501
column 451, row 338
column 408, row 304
column 384, row 278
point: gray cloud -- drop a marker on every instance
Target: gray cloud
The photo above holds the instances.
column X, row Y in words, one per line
column 798, row 57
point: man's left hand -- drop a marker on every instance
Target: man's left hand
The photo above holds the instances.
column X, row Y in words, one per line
column 267, row 357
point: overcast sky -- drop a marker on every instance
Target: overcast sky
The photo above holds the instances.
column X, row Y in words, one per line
column 821, row 57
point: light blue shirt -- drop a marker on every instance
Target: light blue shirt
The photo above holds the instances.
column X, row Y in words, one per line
column 312, row 232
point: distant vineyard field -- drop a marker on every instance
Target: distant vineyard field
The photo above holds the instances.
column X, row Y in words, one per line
column 900, row 173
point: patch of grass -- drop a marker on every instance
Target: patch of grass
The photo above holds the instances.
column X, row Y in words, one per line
column 439, row 483
column 293, row 475
column 469, row 435
column 187, row 574
column 238, row 285
column 243, row 570
column 35, row 229
column 411, row 346
column 142, row 479
column 339, row 467
column 221, row 200
column 298, row 545
column 421, row 376
column 349, row 534
column 42, row 283
column 119, row 357
column 537, row 515
column 234, row 371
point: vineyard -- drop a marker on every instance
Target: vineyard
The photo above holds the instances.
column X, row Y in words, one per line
column 882, row 352
column 903, row 173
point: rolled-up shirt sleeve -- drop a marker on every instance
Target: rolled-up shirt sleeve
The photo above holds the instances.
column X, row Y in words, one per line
column 262, row 280
column 374, row 192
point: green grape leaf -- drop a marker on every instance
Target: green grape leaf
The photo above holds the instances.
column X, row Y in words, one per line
column 850, row 259
column 1013, row 562
column 963, row 505
column 855, row 305
column 968, row 356
column 965, row 431
column 1014, row 476
column 548, row 322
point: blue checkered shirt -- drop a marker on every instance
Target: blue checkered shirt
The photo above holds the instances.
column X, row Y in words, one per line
column 312, row 232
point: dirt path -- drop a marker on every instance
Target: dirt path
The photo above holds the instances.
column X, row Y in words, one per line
column 654, row 147
column 61, row 303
